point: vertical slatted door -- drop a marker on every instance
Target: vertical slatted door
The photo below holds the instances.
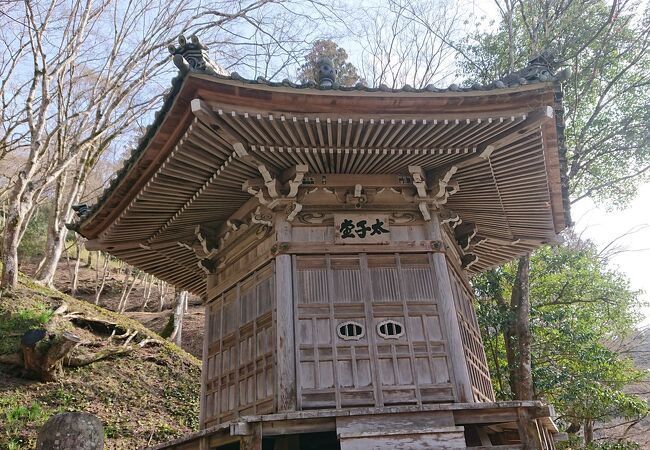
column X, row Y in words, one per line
column 332, row 371
column 411, row 350
column 398, row 357
column 240, row 368
column 477, row 367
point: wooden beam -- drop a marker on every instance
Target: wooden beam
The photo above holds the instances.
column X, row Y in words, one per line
column 202, row 111
column 534, row 120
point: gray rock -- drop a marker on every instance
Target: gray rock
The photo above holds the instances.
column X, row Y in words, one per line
column 71, row 431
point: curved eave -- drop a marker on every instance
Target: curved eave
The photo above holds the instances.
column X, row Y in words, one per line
column 279, row 100
column 186, row 163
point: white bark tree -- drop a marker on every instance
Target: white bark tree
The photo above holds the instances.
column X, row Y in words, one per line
column 179, row 313
column 63, row 103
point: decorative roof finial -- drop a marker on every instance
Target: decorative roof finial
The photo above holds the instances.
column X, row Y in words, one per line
column 326, row 75
column 193, row 56
column 539, row 69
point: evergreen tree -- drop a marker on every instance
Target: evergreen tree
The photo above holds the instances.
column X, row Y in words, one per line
column 346, row 72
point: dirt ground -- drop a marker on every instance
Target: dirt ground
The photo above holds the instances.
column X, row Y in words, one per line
column 144, row 392
column 152, row 317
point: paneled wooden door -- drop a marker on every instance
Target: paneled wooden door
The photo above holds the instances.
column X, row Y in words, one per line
column 368, row 332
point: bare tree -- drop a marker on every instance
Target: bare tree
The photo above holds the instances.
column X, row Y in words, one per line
column 409, row 42
column 99, row 285
column 63, row 105
column 179, row 313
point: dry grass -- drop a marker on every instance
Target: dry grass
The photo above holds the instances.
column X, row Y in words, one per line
column 148, row 396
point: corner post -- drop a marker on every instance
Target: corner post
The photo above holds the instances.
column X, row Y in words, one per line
column 285, row 346
column 449, row 317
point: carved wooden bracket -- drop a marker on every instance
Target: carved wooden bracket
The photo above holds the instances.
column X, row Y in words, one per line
column 468, row 260
column 204, row 245
column 207, row 265
column 450, row 217
column 276, row 190
column 464, row 234
column 262, row 216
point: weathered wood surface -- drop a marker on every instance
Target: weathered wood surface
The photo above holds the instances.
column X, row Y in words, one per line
column 501, row 414
column 366, row 135
column 285, row 377
column 405, row 439
column 449, row 318
column 240, row 368
column 370, row 370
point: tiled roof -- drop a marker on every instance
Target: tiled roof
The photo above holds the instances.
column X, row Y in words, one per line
column 191, row 57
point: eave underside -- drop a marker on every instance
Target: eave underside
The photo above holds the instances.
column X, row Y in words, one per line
column 508, row 195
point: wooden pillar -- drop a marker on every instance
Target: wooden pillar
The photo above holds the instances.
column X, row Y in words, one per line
column 449, row 317
column 528, row 430
column 211, row 282
column 252, row 441
column 286, row 362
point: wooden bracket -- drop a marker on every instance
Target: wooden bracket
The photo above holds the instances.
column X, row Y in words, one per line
column 468, row 260
column 281, row 190
column 424, row 209
column 258, row 216
column 419, row 180
column 270, row 181
column 292, row 178
column 464, row 234
column 293, row 210
column 207, row 265
column 204, row 245
column 207, row 241
column 450, row 217
column 444, row 182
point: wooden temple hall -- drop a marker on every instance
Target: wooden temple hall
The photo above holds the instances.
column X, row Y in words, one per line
column 332, row 232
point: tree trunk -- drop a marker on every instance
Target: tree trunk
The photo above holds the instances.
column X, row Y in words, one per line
column 100, row 287
column 179, row 313
column 162, row 287
column 53, row 251
column 56, row 233
column 18, row 206
column 511, row 358
column 589, row 431
column 77, row 263
column 148, row 286
column 520, row 303
column 46, row 362
column 10, row 241
column 126, row 292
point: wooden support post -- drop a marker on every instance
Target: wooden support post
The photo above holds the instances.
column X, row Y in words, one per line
column 449, row 317
column 285, row 341
column 204, row 366
column 252, row 441
column 528, row 431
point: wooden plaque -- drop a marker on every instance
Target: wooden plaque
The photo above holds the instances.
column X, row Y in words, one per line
column 358, row 228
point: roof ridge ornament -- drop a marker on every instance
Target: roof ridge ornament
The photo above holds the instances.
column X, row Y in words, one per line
column 193, row 57
column 540, row 68
column 326, row 73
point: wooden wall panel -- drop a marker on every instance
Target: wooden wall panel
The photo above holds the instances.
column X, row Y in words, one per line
column 334, row 371
column 471, row 337
column 239, row 378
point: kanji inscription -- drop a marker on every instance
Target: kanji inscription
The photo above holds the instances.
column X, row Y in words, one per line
column 361, row 229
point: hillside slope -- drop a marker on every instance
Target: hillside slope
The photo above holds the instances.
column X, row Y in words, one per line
column 147, row 394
